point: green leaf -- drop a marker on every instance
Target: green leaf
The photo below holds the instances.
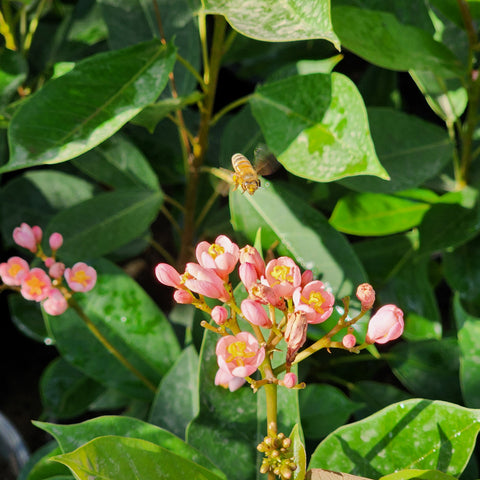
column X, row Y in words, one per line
column 105, row 457
column 271, row 21
column 150, row 116
column 410, row 149
column 469, row 343
column 299, row 454
column 13, row 72
column 27, row 317
column 102, row 224
column 77, row 111
column 65, row 391
column 130, row 320
column 415, row 473
column 323, row 140
column 303, row 231
column 39, row 466
column 35, row 196
column 428, row 368
column 324, row 408
column 381, row 39
column 371, row 214
column 390, row 440
column 176, row 401
column 118, row 163
column 71, row 437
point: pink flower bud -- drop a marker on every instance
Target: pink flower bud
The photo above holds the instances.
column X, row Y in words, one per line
column 56, row 270
column 295, row 333
column 349, row 340
column 386, row 325
column 167, row 275
column 55, row 241
column 49, row 261
column 255, row 313
column 248, row 275
column 55, row 304
column 219, row 315
column 37, row 232
column 249, row 254
column 289, row 380
column 366, row 295
column 81, row 277
column 183, row 296
column 36, row 285
column 307, row 277
column 13, row 271
column 25, row 237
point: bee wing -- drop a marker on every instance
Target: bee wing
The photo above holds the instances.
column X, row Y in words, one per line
column 265, row 161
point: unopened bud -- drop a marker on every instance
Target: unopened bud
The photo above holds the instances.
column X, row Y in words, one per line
column 182, row 296
column 286, row 443
column 219, row 314
column 349, row 340
column 366, row 295
column 295, row 333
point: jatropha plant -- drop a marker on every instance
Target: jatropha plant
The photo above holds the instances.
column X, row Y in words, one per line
column 280, row 305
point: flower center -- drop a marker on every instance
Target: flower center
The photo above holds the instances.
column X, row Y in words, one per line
column 281, row 273
column 14, row 270
column 80, row 277
column 35, row 285
column 214, row 250
column 316, row 301
column 237, row 353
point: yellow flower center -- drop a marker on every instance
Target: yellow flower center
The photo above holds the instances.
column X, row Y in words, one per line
column 237, row 353
column 80, row 277
column 281, row 273
column 14, row 269
column 35, row 285
column 315, row 300
column 214, row 250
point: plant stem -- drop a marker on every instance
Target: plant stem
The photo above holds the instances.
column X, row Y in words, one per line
column 230, row 106
column 5, row 26
column 33, row 27
column 109, row 347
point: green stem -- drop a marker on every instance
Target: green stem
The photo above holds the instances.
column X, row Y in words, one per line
column 33, row 27
column 271, row 399
column 6, row 28
column 230, row 106
column 192, row 70
column 109, row 347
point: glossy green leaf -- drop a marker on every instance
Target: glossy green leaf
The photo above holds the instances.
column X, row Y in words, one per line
column 271, row 21
column 36, row 196
column 39, row 466
column 415, row 473
column 65, row 391
column 118, row 163
column 469, row 343
column 150, row 116
column 176, row 401
column 371, row 214
column 27, row 317
column 105, row 457
column 71, row 437
column 323, row 140
column 381, row 39
column 77, row 111
column 302, row 230
column 410, row 149
column 428, row 368
column 101, row 224
column 390, row 440
column 324, row 408
column 299, row 454
column 13, row 72
column 130, row 320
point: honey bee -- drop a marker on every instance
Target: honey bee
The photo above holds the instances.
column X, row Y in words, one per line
column 246, row 175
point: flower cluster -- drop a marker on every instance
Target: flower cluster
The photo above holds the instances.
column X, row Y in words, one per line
column 273, row 287
column 38, row 285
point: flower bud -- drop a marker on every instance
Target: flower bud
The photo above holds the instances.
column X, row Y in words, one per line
column 349, row 340
column 55, row 241
column 37, row 232
column 56, row 270
column 249, row 254
column 26, row 237
column 307, row 277
column 289, row 381
column 255, row 313
column 219, row 315
column 167, row 275
column 55, row 304
column 366, row 295
column 386, row 325
column 183, row 296
column 248, row 275
column 295, row 334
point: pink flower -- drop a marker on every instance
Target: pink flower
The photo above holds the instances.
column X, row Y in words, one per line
column 183, row 296
column 56, row 270
column 255, row 313
column 55, row 304
column 283, row 275
column 13, row 271
column 366, row 295
column 81, row 277
column 249, row 254
column 315, row 301
column 239, row 355
column 221, row 256
column 36, row 285
column 227, row 380
column 219, row 315
column 289, row 380
column 307, row 277
column 205, row 282
column 387, row 324
column 167, row 275
column 266, row 295
column 26, row 237
column 349, row 340
column 55, row 241
column 248, row 275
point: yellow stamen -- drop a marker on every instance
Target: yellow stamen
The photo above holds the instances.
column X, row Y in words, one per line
column 214, row 250
column 315, row 300
column 80, row 277
column 238, row 354
column 35, row 285
column 282, row 273
column 14, row 269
